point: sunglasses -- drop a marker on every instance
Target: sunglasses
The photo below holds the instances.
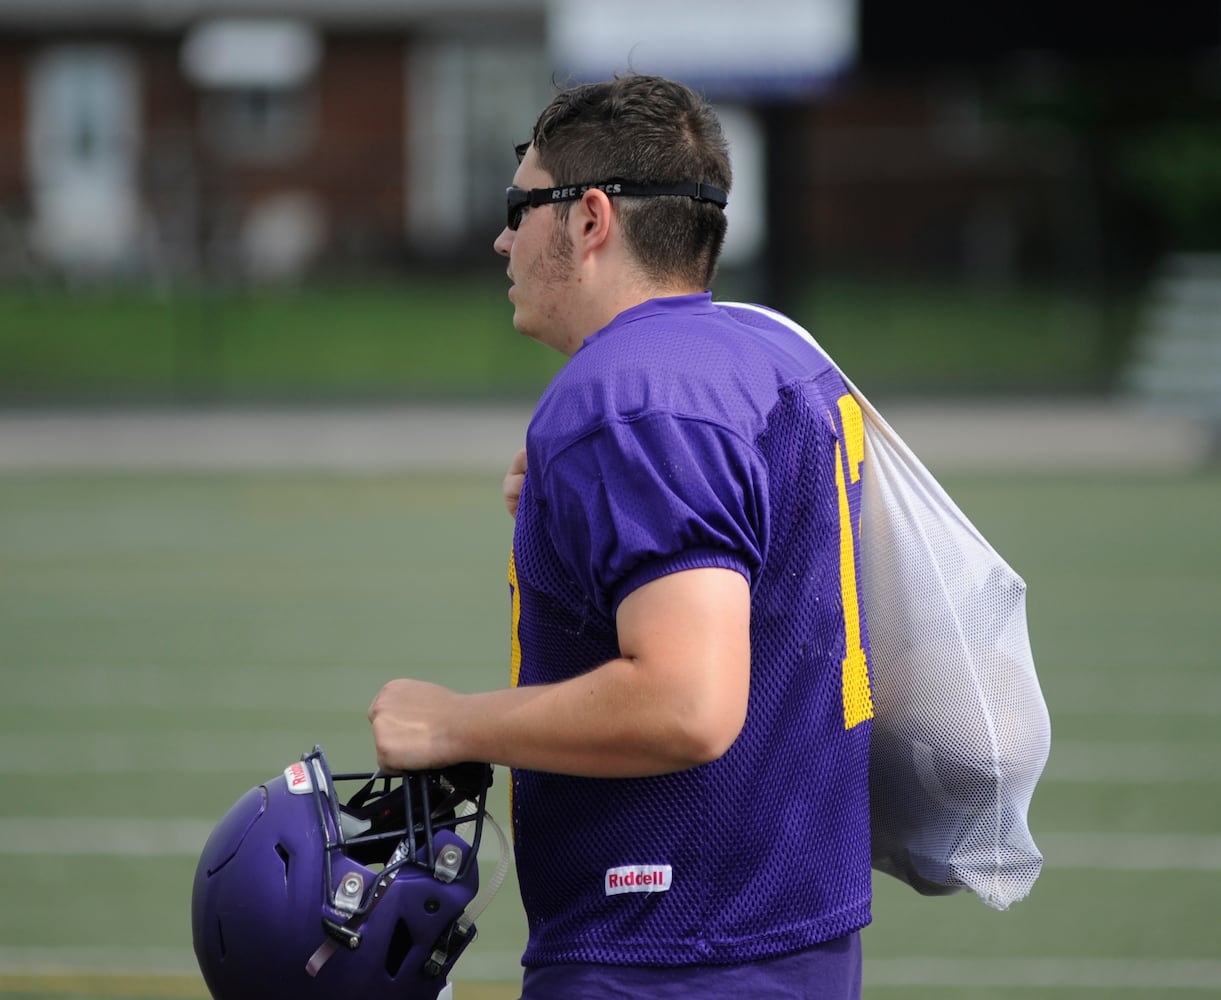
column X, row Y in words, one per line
column 519, row 199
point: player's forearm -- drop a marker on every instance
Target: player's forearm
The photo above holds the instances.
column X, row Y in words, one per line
column 676, row 698
column 610, row 722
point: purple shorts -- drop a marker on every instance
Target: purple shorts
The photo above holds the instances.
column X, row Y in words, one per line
column 829, row 971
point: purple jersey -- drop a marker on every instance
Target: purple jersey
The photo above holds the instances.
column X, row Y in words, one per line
column 688, row 435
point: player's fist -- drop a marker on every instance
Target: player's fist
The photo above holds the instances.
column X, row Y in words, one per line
column 513, row 480
column 410, row 732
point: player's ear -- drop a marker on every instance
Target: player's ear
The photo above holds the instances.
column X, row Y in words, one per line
column 596, row 215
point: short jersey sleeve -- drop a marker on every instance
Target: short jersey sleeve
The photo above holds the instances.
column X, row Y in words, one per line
column 640, row 497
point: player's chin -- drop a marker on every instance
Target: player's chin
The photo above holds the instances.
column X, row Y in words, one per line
column 523, row 327
column 521, row 316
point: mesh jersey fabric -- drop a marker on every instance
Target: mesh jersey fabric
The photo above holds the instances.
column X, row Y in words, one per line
column 962, row 732
column 829, row 971
column 675, row 439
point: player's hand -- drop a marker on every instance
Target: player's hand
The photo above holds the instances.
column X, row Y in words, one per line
column 409, row 726
column 513, row 480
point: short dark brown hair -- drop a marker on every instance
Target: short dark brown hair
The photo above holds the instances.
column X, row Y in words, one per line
column 649, row 130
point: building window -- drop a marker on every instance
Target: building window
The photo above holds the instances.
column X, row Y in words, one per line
column 469, row 103
column 257, row 81
column 260, row 124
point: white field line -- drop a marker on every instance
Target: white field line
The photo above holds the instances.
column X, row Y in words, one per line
column 57, row 961
column 1144, row 974
column 1112, row 763
column 104, row 751
column 80, row 837
column 67, row 837
column 1124, row 693
column 99, row 685
column 1131, row 852
column 123, row 751
column 1091, row 693
column 50, row 961
column 1116, row 974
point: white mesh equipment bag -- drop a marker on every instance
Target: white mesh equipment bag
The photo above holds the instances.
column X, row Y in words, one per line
column 960, row 732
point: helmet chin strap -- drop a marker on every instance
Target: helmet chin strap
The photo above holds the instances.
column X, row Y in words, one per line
column 487, row 891
column 321, row 956
column 462, row 926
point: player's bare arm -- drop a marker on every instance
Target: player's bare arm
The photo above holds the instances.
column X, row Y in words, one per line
column 675, row 699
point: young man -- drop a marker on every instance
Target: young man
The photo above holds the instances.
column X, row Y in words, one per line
column 689, row 717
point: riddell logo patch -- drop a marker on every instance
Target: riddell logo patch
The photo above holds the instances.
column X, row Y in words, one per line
column 638, row 878
column 298, row 778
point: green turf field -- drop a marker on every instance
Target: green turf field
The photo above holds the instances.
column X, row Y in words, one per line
column 167, row 641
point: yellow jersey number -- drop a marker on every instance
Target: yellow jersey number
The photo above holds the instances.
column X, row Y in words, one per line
column 858, row 698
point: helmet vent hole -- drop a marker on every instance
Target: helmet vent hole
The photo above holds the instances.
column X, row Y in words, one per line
column 284, row 858
column 220, row 939
column 398, row 949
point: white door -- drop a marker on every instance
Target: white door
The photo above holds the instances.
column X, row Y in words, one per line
column 82, row 156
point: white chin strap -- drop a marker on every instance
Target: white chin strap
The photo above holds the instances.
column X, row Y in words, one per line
column 487, row 891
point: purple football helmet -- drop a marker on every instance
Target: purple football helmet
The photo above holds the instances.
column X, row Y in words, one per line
column 299, row 894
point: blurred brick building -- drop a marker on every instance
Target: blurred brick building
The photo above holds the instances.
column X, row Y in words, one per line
column 179, row 139
column 269, row 139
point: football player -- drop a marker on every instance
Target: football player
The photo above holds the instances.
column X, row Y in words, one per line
column 688, row 719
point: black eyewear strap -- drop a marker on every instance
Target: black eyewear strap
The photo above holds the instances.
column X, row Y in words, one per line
column 519, row 199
